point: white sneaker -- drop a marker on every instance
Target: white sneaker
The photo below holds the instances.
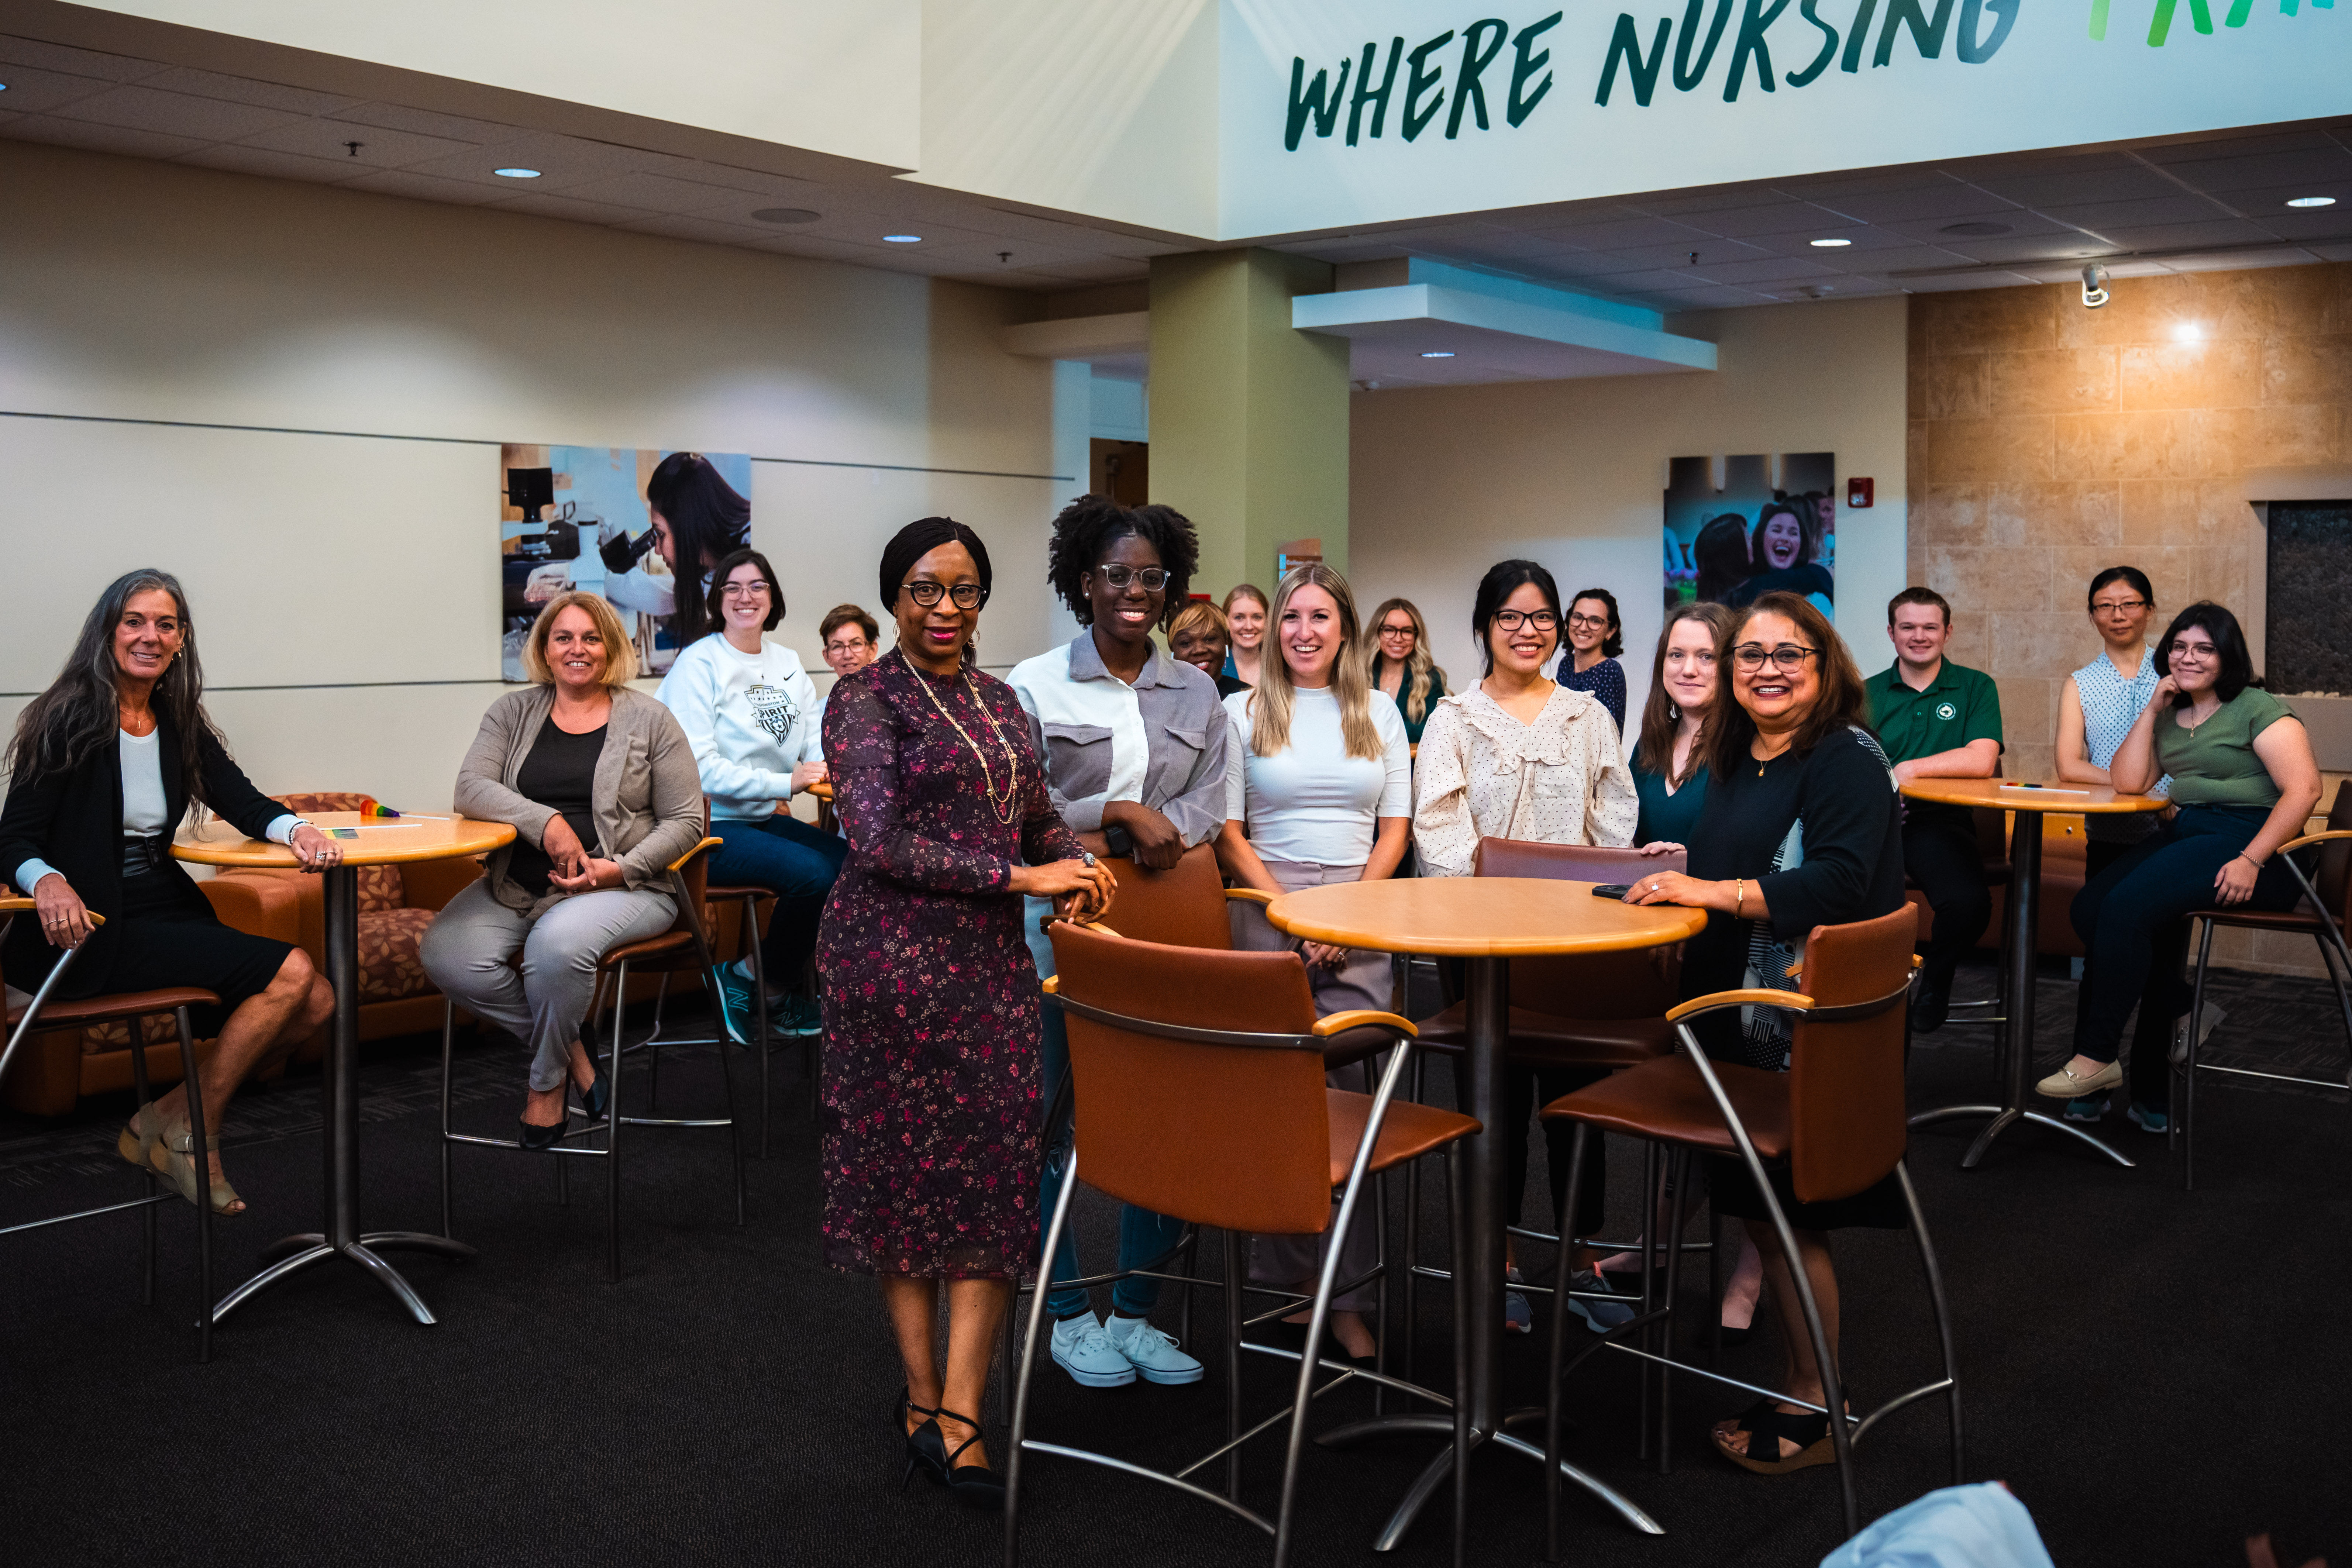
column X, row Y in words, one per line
column 1152, row 1352
column 1086, row 1353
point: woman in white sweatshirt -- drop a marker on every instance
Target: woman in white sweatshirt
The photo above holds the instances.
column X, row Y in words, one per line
column 748, row 709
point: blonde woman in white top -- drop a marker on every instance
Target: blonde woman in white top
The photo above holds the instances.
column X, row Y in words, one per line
column 1318, row 789
column 1518, row 756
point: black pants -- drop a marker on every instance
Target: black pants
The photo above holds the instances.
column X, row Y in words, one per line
column 2133, row 920
column 1524, row 1090
column 1941, row 856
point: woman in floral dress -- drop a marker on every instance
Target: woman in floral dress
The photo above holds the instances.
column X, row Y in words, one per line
column 931, row 1008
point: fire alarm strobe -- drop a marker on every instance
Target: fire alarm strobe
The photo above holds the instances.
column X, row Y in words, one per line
column 1858, row 493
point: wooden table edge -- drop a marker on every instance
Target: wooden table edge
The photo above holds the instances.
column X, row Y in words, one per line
column 1691, row 924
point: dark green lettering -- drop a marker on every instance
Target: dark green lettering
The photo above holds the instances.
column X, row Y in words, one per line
column 1475, row 60
column 1926, row 37
column 1523, row 69
column 1750, row 41
column 1626, row 44
column 1380, row 100
column 1686, row 78
column 1829, row 45
column 1973, row 53
column 1857, row 36
column 1418, row 81
column 1326, row 114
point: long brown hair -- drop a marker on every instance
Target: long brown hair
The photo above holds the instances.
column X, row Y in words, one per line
column 1413, row 694
column 1843, row 702
column 1655, row 752
column 1271, row 701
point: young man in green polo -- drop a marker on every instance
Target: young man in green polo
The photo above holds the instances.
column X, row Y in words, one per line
column 1937, row 720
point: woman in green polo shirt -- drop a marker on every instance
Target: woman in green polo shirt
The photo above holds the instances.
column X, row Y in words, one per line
column 2244, row 782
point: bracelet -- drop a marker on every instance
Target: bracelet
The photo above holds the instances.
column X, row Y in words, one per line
column 1740, row 895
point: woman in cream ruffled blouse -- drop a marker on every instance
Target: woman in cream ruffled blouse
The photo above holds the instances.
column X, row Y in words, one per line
column 1517, row 756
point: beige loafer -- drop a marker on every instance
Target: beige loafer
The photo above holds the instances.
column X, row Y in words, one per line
column 2063, row 1085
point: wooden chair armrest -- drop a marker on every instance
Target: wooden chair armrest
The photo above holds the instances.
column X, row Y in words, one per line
column 1052, row 985
column 1250, row 895
column 2315, row 838
column 1752, row 998
column 16, row 906
column 683, row 861
column 1047, row 922
column 821, row 788
column 1365, row 1017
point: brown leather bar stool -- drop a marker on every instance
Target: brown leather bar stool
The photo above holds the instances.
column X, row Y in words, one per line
column 1200, row 1096
column 685, row 948
column 1835, row 1118
column 2325, row 908
column 42, row 1012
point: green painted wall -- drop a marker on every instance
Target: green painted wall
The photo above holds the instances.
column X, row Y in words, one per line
column 1249, row 415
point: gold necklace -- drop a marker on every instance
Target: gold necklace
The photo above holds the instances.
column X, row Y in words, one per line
column 1003, row 806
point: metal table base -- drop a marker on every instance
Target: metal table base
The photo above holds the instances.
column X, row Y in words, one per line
column 342, row 1239
column 2024, row 911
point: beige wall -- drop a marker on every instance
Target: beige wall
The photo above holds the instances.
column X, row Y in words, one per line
column 347, row 580
column 1446, row 482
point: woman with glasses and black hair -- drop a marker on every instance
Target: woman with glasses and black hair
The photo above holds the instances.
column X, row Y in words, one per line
column 698, row 520
column 1803, row 827
column 749, row 712
column 1134, row 746
column 2245, row 782
column 931, row 1022
column 1588, row 662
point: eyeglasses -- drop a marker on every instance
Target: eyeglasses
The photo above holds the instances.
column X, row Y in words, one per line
column 856, row 645
column 2117, row 606
column 2199, row 651
column 1787, row 657
column 1396, row 631
column 967, row 596
column 1153, row 578
column 1590, row 622
column 744, row 591
column 1512, row 620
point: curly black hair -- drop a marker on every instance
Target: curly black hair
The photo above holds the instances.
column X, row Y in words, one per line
column 1092, row 524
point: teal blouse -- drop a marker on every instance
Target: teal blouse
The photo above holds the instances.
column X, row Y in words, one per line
column 1673, row 817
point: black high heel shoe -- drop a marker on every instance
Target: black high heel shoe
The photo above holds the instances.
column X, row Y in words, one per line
column 598, row 1095
column 974, row 1485
column 539, row 1140
column 926, row 1448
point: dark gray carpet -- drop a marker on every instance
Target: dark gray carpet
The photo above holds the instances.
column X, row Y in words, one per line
column 2157, row 1374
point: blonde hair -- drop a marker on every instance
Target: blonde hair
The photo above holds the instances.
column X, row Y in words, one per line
column 1418, row 665
column 1270, row 703
column 1197, row 615
column 620, row 653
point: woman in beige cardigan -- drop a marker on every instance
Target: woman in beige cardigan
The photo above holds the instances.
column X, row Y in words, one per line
column 1518, row 756
column 601, row 786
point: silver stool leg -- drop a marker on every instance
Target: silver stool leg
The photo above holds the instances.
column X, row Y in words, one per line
column 448, row 1031
column 613, row 1127
column 203, row 1155
column 1935, row 1299
column 1236, row 1279
column 144, row 1097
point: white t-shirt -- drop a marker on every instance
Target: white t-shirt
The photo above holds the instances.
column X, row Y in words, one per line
column 749, row 718
column 1311, row 803
column 143, row 802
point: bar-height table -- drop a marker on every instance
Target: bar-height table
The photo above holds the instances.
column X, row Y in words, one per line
column 1486, row 921
column 2030, row 803
column 371, row 843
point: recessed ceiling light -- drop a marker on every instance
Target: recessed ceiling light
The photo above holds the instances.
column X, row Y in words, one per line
column 1830, row 244
column 2313, row 202
column 1437, row 353
column 785, row 214
column 902, row 239
column 516, row 174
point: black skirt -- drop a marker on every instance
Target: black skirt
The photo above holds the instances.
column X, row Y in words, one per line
column 168, row 935
column 1876, row 1207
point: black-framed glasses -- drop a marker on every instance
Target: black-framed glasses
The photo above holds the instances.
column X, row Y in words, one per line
column 1600, row 621
column 2110, row 606
column 1153, row 578
column 1542, row 620
column 1396, row 631
column 2199, row 651
column 966, row 596
column 858, row 646
column 1787, row 657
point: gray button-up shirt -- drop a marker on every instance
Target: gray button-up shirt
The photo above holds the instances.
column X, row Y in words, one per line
column 1160, row 742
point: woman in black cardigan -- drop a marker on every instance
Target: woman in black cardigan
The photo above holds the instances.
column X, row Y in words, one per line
column 1803, row 827
column 104, row 764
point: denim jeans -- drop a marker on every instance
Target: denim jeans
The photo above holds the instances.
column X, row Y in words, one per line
column 1144, row 1239
column 800, row 863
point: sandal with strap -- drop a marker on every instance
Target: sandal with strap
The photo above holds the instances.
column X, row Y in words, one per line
column 173, row 1159
column 1766, row 1423
column 976, row 1485
column 136, row 1143
column 926, row 1448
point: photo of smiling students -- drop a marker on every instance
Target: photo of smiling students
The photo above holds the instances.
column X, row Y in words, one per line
column 1318, row 789
column 1785, row 551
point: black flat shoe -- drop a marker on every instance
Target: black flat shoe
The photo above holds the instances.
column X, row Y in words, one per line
column 539, row 1140
column 599, row 1094
column 975, row 1486
column 926, row 1448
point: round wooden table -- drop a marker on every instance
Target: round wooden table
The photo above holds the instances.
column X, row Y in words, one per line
column 364, row 842
column 2015, row 1043
column 1486, row 921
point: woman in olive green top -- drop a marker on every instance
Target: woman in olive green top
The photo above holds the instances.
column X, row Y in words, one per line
column 2244, row 782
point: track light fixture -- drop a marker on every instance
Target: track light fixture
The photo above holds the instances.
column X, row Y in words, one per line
column 2095, row 286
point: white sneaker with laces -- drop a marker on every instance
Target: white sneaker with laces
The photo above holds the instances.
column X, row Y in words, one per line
column 1151, row 1352
column 1082, row 1349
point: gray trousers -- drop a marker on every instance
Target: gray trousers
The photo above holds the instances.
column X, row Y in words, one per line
column 1366, row 980
column 470, row 951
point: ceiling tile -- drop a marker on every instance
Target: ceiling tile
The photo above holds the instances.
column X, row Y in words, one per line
column 379, row 148
column 427, row 122
column 2026, row 247
column 1707, row 253
column 426, row 188
column 783, row 188
column 1770, row 270
column 2047, row 189
column 1881, row 262
column 2280, row 255
column 177, row 114
column 1954, row 283
column 245, row 89
column 2341, row 252
column 658, row 193
column 2331, row 166
column 673, row 226
column 1949, row 202
column 808, row 247
column 2016, row 221
column 2269, row 208
column 1832, row 188
column 2237, row 145
column 1629, row 232
column 1110, row 270
column 550, row 204
column 33, row 91
column 1567, row 214
column 2105, row 217
column 1780, row 217
column 100, row 138
column 17, row 51
column 2187, row 235
column 277, row 165
column 1859, row 239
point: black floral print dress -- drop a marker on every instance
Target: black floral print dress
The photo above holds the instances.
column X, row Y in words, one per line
column 931, row 997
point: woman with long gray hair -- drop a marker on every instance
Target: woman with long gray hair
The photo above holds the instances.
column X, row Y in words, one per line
column 104, row 764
